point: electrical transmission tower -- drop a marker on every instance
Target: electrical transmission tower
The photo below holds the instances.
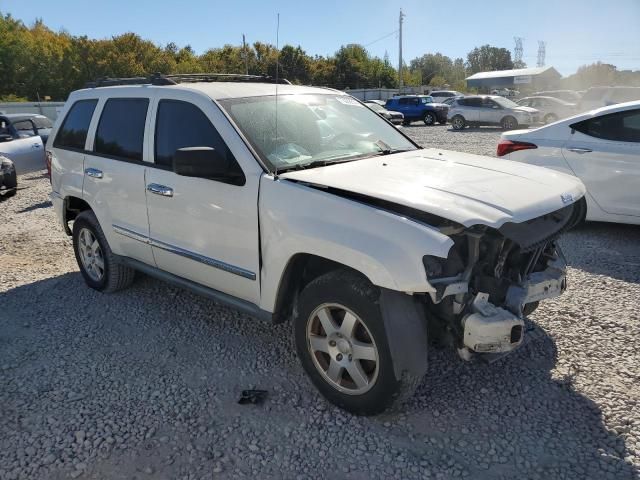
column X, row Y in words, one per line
column 541, row 52
column 517, row 52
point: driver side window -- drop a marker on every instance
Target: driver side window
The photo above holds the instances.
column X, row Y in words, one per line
column 181, row 124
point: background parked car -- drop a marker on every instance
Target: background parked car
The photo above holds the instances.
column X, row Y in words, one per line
column 396, row 118
column 379, row 102
column 418, row 107
column 597, row 97
column 26, row 151
column 29, row 124
column 8, row 178
column 441, row 95
column 570, row 96
column 479, row 110
column 601, row 147
column 551, row 109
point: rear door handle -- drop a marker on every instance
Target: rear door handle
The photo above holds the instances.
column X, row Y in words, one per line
column 93, row 173
column 579, row 150
column 160, row 189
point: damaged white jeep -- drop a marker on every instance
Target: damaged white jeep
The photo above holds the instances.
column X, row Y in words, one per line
column 301, row 203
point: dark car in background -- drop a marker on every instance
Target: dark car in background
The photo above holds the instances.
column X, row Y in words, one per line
column 396, row 118
column 418, row 107
column 8, row 178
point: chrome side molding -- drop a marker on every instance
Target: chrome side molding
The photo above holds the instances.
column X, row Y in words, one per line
column 212, row 262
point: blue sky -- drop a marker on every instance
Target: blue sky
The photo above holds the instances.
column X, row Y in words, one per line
column 576, row 31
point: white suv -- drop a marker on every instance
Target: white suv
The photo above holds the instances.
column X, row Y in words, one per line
column 291, row 202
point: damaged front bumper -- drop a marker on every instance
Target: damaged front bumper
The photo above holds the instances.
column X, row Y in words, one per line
column 487, row 328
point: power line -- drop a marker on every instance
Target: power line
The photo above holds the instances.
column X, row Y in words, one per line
column 381, row 38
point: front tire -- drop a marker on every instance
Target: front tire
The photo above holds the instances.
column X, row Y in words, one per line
column 429, row 118
column 550, row 118
column 342, row 345
column 458, row 122
column 98, row 264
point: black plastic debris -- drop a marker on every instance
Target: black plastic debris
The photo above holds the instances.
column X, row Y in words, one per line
column 255, row 397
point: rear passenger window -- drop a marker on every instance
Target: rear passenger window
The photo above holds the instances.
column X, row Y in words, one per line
column 73, row 131
column 620, row 126
column 120, row 132
column 181, row 124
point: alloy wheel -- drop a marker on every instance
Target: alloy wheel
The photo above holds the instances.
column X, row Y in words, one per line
column 342, row 349
column 91, row 254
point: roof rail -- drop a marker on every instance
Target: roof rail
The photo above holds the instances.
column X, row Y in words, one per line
column 174, row 79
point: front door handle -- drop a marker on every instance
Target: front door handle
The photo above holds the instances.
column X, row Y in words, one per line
column 36, row 145
column 93, row 173
column 160, row 190
column 579, row 150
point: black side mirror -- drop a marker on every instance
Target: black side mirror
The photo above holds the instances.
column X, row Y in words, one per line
column 203, row 162
column 5, row 137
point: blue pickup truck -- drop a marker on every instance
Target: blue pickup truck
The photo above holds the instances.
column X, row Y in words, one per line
column 418, row 107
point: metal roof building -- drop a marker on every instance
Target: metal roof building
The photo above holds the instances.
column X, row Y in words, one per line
column 536, row 77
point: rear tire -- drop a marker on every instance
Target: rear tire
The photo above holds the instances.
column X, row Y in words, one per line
column 458, row 122
column 327, row 347
column 550, row 118
column 98, row 265
column 429, row 118
column 509, row 123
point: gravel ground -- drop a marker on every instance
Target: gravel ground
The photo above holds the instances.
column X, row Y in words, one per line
column 144, row 383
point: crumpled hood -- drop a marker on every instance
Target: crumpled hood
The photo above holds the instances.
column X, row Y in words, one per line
column 468, row 189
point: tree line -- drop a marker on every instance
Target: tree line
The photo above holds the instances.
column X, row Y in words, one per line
column 37, row 62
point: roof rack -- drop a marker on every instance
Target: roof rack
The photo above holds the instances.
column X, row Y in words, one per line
column 174, row 79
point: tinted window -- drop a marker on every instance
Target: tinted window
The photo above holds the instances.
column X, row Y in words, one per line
column 471, row 102
column 403, row 101
column 121, row 129
column 182, row 124
column 620, row 126
column 23, row 126
column 73, row 131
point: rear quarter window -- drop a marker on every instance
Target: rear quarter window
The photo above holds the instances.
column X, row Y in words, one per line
column 620, row 126
column 73, row 131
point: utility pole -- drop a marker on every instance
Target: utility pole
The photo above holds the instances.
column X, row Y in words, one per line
column 246, row 57
column 402, row 15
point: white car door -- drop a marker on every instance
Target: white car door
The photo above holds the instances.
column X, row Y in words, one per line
column 203, row 229
column 27, row 153
column 604, row 152
column 114, row 172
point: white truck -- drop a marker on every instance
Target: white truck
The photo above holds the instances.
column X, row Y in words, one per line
column 299, row 203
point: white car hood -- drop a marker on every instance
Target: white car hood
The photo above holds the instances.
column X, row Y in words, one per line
column 525, row 109
column 468, row 189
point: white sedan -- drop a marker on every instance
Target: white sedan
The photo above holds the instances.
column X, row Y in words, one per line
column 601, row 147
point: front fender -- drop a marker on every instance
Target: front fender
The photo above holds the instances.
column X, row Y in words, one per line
column 385, row 247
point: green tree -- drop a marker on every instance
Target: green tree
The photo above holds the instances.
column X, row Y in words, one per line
column 487, row 58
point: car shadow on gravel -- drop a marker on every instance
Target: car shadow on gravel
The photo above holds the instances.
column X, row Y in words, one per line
column 516, row 416
column 608, row 249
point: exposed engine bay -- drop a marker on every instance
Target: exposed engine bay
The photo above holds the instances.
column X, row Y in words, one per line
column 493, row 278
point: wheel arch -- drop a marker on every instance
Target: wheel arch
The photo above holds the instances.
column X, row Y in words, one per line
column 72, row 207
column 301, row 269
